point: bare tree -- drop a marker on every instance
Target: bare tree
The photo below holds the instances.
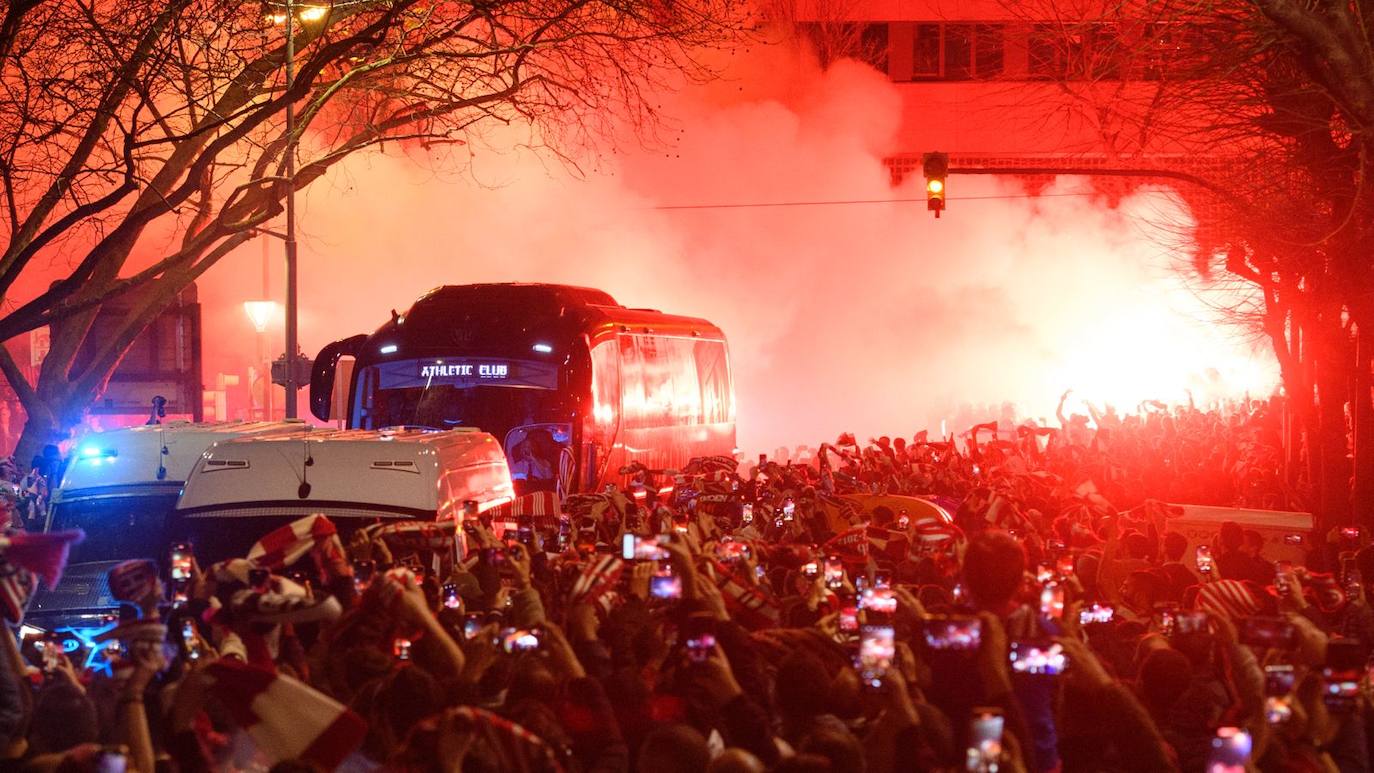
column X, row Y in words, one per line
column 1271, row 103
column 121, row 120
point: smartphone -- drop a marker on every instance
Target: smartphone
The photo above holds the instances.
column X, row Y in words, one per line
column 451, row 598
column 1043, row 573
column 877, row 648
column 953, row 632
column 789, row 509
column 400, row 648
column 903, row 520
column 1350, row 534
column 525, row 535
column 636, row 548
column 1283, row 571
column 1037, row 658
column 1341, row 689
column 1230, row 751
column 1064, row 565
column 1204, row 559
column 849, row 620
column 1279, row 679
column 834, row 573
column 882, row 580
column 1292, row 539
column 1191, row 622
column 879, row 603
column 1097, row 614
column 811, row 570
column 111, row 759
column 180, row 561
column 746, row 513
column 517, row 640
column 985, row 740
column 363, row 571
column 51, row 650
column 699, row 637
column 564, row 533
column 1052, row 601
column 494, row 556
column 473, row 623
column 190, row 644
column 1168, row 619
column 665, row 585
column 732, row 552
column 1268, row 633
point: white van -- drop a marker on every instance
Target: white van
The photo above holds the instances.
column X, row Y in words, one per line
column 242, row 489
column 1287, row 535
column 119, row 487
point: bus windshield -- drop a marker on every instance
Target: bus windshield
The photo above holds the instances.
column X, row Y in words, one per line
column 492, row 395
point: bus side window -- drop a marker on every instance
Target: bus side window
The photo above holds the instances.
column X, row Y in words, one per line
column 713, row 375
column 605, row 391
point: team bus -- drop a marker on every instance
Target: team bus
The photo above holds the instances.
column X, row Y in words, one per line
column 574, row 384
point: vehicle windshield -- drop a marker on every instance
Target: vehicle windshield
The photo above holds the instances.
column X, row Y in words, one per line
column 494, row 396
column 117, row 528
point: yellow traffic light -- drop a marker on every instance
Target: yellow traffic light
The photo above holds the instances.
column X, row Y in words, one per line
column 936, row 167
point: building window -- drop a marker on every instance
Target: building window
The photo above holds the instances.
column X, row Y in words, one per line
column 926, row 62
column 864, row 42
column 988, row 50
column 957, row 52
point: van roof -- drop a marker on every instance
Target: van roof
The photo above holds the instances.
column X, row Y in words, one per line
column 135, row 455
column 398, row 471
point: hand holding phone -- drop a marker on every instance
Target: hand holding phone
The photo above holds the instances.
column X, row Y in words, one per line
column 877, row 649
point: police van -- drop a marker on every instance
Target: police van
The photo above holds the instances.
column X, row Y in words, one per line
column 120, row 487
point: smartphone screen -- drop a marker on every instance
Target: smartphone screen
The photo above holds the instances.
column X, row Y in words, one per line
column 665, row 585
column 1204, row 559
column 985, row 740
column 1052, row 601
column 952, row 632
column 1037, row 658
column 451, row 598
column 517, row 640
column 877, row 648
column 834, row 573
column 1230, row 751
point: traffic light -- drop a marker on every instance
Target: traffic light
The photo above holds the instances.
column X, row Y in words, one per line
column 936, row 167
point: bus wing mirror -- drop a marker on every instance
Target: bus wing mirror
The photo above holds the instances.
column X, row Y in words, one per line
column 322, row 374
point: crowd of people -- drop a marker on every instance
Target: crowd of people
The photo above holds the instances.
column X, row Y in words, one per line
column 1014, row 599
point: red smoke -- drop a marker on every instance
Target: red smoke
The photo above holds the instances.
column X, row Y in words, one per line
column 874, row 318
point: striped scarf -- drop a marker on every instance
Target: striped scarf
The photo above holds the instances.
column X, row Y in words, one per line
column 436, row 536
column 285, row 546
column 746, row 603
column 596, row 584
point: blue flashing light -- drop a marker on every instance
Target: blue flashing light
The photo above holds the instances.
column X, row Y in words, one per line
column 97, row 453
column 388, row 349
column 543, row 348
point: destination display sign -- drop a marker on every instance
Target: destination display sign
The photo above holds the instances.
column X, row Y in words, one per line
column 463, row 372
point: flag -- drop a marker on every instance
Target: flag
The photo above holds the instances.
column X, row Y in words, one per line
column 851, row 545
column 45, row 555
column 17, row 586
column 597, row 582
column 285, row 546
column 746, row 603
column 542, row 506
column 1228, row 598
column 287, row 719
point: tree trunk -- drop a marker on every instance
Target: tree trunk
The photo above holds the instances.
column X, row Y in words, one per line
column 39, row 430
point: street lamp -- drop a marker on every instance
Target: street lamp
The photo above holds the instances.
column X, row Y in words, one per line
column 260, row 313
column 288, row 13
